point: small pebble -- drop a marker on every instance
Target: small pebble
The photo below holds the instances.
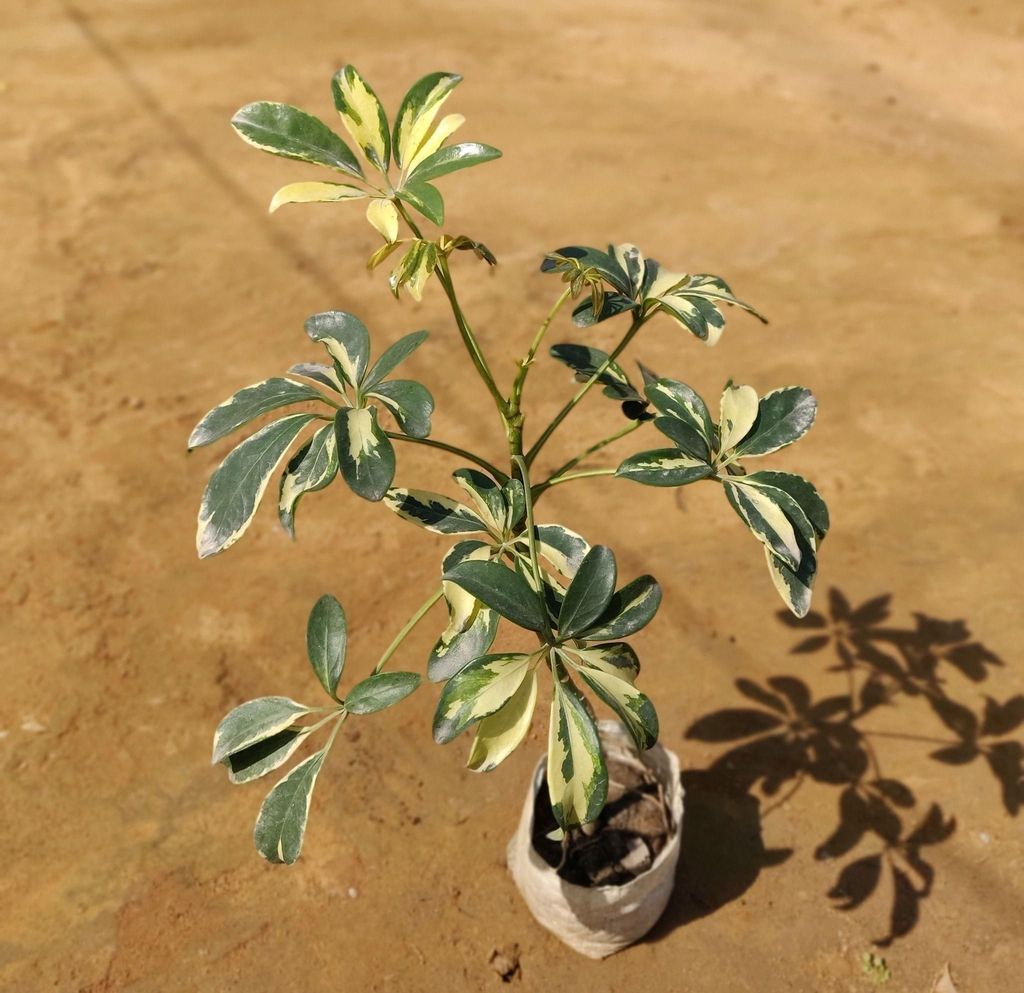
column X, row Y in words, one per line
column 353, row 892
column 31, row 724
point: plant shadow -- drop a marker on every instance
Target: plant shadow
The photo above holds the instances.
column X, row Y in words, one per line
column 781, row 737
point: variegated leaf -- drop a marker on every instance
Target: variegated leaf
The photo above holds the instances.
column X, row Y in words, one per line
column 663, row 467
column 418, row 110
column 586, row 361
column 477, row 691
column 283, row 130
column 281, row 825
column 575, row 257
column 784, row 416
column 263, row 757
column 616, row 658
column 632, row 707
column 322, row 374
column 312, row 468
column 446, row 127
column 415, row 268
column 766, row 520
column 501, row 589
column 631, row 261
column 738, row 413
column 327, row 641
column 589, row 592
column 700, row 317
column 248, row 404
column 499, row 735
column 239, row 482
column 563, row 549
column 393, row 356
column 576, row 773
column 346, row 339
column 687, row 438
column 252, row 722
column 486, row 496
column 794, row 585
column 383, row 217
column 800, row 490
column 365, row 454
column 434, row 512
column 695, row 301
column 456, row 648
column 426, row 199
column 515, row 501
column 446, row 160
column 409, row 402
column 363, row 115
column 631, row 608
column 380, row 691
column 315, row 193
column 675, row 399
column 462, row 605
column 613, row 304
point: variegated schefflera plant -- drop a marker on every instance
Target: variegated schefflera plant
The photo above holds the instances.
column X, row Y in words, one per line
column 341, row 417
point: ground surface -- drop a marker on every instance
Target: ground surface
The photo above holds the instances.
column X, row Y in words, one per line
column 852, row 168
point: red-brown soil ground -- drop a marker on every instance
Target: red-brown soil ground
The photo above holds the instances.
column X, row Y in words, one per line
column 854, row 169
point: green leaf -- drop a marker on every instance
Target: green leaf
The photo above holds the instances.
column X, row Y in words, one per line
column 616, row 658
column 362, row 115
column 738, row 413
column 563, row 549
column 281, row 824
column 312, row 468
column 612, row 305
column 765, row 518
column 433, row 512
column 663, row 467
column 445, row 160
column 800, row 490
column 499, row 735
column 283, row 130
column 263, row 757
column 577, row 775
column 515, row 500
column 426, row 199
column 675, row 399
column 379, row 691
column 414, row 269
column 454, row 651
column 573, row 258
column 410, row 403
column 633, row 708
column 586, row 361
column 252, row 722
column 365, row 454
column 783, row 416
column 239, row 482
column 794, row 585
column 248, row 404
column 346, row 339
column 392, row 358
column 631, row 608
column 589, row 592
column 322, row 374
column 417, row 111
column 326, row 641
column 477, row 691
column 502, row 589
column 695, row 301
column 690, row 441
column 632, row 263
column 487, row 498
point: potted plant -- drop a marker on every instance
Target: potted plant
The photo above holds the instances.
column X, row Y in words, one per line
column 598, row 840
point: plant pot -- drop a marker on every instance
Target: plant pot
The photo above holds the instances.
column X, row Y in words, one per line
column 598, row 921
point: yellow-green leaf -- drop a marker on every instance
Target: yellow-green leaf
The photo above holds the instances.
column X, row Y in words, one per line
column 501, row 734
column 738, row 413
column 383, row 216
column 315, row 193
column 363, row 115
column 577, row 775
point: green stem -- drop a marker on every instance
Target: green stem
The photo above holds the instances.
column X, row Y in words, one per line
column 407, row 628
column 558, row 480
column 596, row 447
column 515, row 401
column 500, row 476
column 524, row 473
column 638, row 323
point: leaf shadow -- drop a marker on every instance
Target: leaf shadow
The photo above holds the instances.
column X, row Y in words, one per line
column 781, row 737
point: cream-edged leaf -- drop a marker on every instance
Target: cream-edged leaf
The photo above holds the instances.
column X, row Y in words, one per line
column 501, row 734
column 362, row 114
column 393, row 356
column 281, row 825
column 502, row 589
column 485, row 495
column 248, row 404
column 346, row 339
column 315, row 193
column 254, row 721
column 365, row 453
column 469, row 640
column 319, row 373
column 434, row 512
column 616, row 658
column 679, row 401
column 738, row 413
column 576, row 772
column 765, row 519
column 784, row 416
column 312, row 468
column 446, row 127
column 663, row 467
column 631, row 608
column 265, row 756
column 409, row 402
column 426, row 199
column 383, row 217
column 802, row 491
column 451, row 158
column 327, row 641
column 462, row 605
column 239, row 482
column 563, row 549
column 287, row 131
column 632, row 707
column 380, row 691
column 477, row 691
column 418, row 110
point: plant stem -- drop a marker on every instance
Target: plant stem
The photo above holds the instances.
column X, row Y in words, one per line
column 515, row 401
column 524, row 473
column 557, row 480
column 597, row 446
column 500, row 476
column 638, row 323
column 407, row 628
